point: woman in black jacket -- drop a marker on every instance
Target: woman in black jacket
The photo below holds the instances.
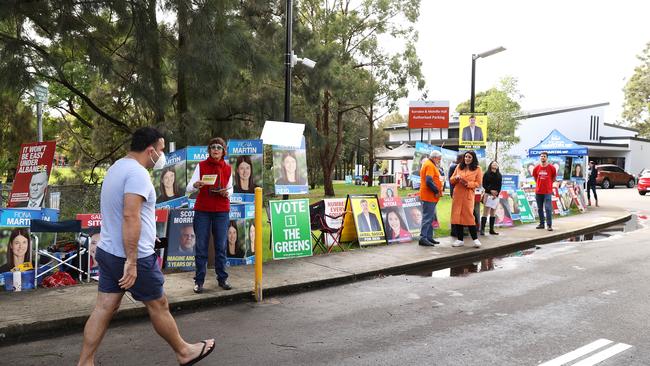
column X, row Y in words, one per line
column 492, row 186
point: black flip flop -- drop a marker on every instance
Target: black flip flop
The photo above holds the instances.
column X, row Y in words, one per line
column 201, row 355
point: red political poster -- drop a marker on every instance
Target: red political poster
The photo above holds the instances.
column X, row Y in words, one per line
column 90, row 220
column 429, row 114
column 32, row 174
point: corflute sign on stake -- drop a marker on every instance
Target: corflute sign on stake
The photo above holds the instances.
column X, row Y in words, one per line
column 32, row 174
column 290, row 228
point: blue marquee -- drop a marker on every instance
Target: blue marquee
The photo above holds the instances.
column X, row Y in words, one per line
column 558, row 144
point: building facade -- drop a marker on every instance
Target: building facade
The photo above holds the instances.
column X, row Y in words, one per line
column 585, row 125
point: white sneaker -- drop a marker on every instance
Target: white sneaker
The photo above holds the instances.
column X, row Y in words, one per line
column 457, row 243
column 477, row 243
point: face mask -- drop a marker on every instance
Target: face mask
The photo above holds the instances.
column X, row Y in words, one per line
column 160, row 163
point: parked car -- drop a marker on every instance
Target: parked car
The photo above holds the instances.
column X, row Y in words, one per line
column 610, row 175
column 644, row 182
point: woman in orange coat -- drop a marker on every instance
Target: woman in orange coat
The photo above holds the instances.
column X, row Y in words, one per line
column 467, row 177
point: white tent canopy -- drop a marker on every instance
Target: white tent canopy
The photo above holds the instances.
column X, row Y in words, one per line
column 402, row 152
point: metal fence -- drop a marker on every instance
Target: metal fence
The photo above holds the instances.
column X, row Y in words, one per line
column 74, row 199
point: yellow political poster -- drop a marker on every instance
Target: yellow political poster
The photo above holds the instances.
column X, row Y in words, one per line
column 367, row 219
column 473, row 130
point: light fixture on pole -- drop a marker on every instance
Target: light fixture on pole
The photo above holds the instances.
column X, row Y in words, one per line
column 290, row 60
column 474, row 58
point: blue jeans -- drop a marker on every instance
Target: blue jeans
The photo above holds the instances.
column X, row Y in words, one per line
column 544, row 203
column 204, row 222
column 428, row 215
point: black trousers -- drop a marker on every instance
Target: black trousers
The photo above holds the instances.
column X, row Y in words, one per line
column 591, row 186
column 458, row 232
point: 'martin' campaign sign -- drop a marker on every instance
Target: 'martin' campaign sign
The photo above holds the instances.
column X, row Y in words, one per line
column 290, row 228
column 429, row 114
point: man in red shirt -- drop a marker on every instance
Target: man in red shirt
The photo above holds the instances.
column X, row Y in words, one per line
column 544, row 174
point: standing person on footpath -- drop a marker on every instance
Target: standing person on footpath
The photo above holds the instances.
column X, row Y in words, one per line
column 125, row 254
column 212, row 178
column 430, row 192
column 492, row 185
column 450, row 172
column 591, row 183
column 544, row 174
column 466, row 178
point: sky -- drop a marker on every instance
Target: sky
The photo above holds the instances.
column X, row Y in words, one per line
column 563, row 53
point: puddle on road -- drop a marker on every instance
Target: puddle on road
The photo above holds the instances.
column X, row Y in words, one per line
column 490, row 264
column 635, row 223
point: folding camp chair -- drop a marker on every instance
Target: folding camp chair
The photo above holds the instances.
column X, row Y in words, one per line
column 80, row 247
column 318, row 220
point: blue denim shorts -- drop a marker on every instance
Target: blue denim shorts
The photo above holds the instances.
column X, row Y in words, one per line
column 148, row 285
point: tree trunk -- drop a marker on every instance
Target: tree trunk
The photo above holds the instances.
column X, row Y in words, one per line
column 329, row 156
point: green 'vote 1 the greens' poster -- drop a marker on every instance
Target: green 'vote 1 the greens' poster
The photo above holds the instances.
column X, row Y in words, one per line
column 290, row 228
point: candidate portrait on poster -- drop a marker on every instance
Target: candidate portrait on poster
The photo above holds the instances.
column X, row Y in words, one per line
column 182, row 239
column 473, row 130
column 367, row 221
column 235, row 239
column 37, row 188
column 396, row 227
column 290, row 169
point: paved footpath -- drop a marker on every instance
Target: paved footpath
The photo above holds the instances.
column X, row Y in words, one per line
column 46, row 312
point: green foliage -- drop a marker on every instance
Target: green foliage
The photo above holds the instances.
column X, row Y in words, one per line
column 636, row 108
column 198, row 69
column 17, row 124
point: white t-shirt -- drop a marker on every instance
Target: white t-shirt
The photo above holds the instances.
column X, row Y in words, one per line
column 127, row 176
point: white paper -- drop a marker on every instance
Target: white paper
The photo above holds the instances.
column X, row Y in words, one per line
column 492, row 202
column 283, row 133
column 209, row 179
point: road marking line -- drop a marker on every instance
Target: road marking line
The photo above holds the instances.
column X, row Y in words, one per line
column 573, row 355
column 603, row 355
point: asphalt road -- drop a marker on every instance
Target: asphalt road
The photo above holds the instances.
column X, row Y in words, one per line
column 529, row 310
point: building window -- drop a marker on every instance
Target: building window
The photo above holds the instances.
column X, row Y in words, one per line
column 594, row 128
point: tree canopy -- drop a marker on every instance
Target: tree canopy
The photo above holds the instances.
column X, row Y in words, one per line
column 636, row 108
column 198, row 69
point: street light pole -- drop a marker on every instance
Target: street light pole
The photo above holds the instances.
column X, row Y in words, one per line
column 474, row 58
column 288, row 62
column 471, row 99
column 40, row 94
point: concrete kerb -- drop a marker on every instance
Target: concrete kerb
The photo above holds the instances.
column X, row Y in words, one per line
column 25, row 332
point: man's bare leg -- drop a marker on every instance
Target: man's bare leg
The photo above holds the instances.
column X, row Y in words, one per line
column 97, row 324
column 165, row 326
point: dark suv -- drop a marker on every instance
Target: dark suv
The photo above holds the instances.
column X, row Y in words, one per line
column 610, row 175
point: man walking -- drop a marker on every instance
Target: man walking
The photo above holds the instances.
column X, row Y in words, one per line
column 591, row 183
column 430, row 192
column 125, row 254
column 544, row 174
